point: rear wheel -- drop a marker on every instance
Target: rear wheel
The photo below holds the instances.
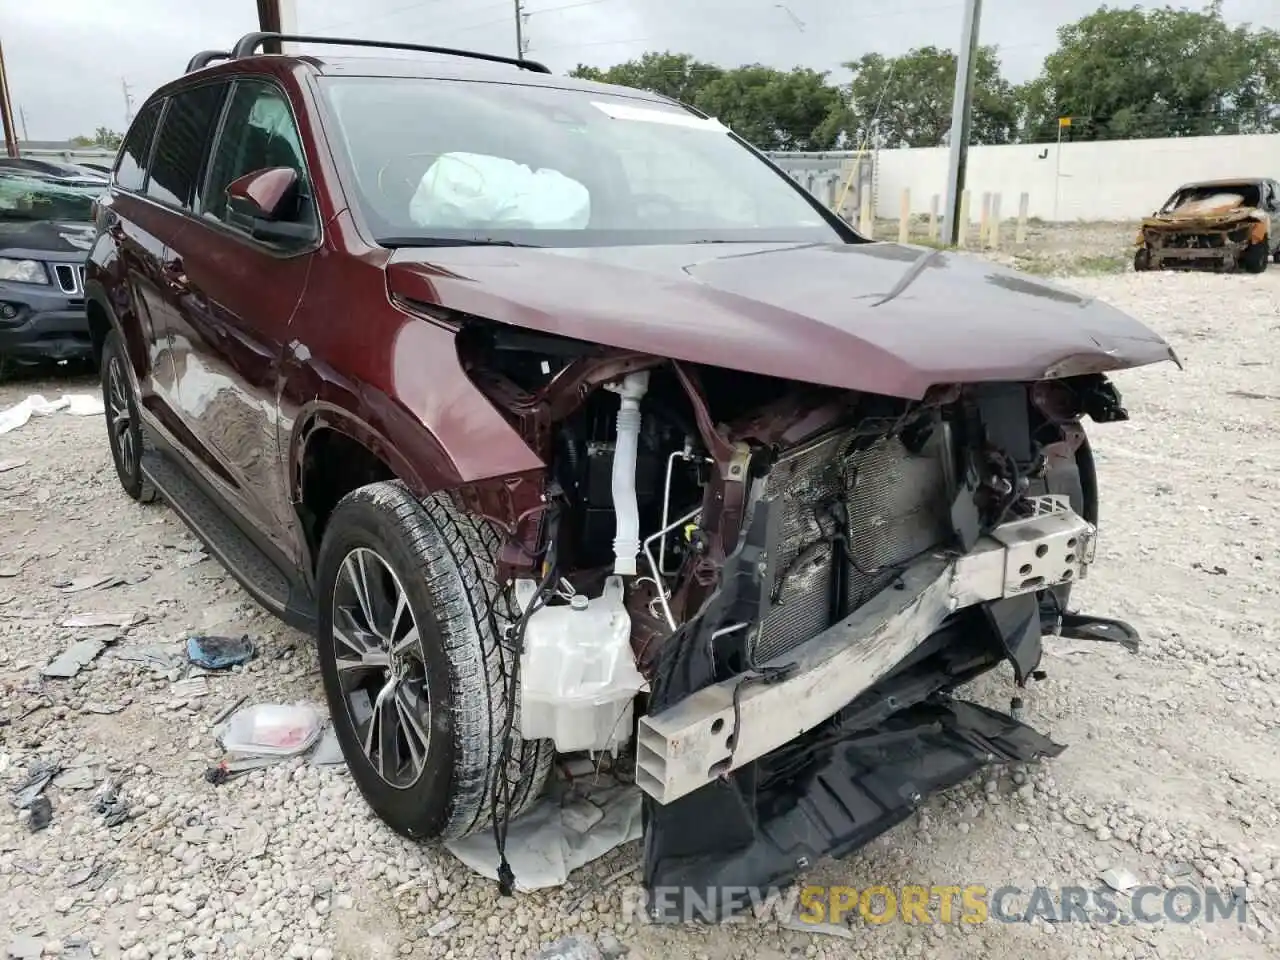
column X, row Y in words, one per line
column 416, row 663
column 124, row 431
column 1254, row 258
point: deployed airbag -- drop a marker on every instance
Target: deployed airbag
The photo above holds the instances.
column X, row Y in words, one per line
column 469, row 190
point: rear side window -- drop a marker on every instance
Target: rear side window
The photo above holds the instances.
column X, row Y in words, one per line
column 185, row 133
column 131, row 165
column 259, row 133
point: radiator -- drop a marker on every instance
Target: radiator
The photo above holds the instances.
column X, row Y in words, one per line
column 896, row 505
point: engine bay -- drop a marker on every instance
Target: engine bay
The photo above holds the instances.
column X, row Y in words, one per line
column 655, row 469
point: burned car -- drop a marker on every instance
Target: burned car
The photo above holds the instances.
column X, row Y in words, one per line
column 1216, row 224
column 569, row 424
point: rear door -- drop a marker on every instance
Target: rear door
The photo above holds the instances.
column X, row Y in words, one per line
column 241, row 294
column 172, row 185
column 139, row 232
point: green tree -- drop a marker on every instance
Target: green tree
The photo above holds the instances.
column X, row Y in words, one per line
column 914, row 93
column 1153, row 73
column 776, row 109
column 675, row 75
column 102, row 137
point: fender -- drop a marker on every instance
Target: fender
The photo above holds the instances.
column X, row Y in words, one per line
column 96, row 294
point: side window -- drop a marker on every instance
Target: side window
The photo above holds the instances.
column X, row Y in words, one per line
column 131, row 164
column 185, row 133
column 258, row 133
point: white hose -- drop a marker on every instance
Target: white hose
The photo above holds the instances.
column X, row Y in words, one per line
column 626, row 543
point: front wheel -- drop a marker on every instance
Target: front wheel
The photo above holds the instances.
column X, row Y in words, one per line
column 124, row 431
column 416, row 663
column 1142, row 260
column 1254, row 259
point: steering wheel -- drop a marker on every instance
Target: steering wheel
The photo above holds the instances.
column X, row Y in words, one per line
column 396, row 174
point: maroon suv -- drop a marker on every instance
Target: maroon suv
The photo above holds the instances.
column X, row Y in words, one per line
column 569, row 424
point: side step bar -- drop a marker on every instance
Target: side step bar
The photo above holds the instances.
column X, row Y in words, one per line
column 261, row 578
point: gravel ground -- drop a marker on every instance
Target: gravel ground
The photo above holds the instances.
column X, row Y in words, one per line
column 1169, row 772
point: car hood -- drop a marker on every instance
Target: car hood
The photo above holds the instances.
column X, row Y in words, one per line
column 68, row 240
column 878, row 317
column 1179, row 220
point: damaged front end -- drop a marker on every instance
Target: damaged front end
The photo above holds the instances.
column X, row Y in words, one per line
column 766, row 591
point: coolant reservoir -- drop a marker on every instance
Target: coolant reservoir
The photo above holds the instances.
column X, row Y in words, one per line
column 578, row 676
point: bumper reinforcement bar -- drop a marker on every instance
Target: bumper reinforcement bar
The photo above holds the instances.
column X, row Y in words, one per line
column 705, row 735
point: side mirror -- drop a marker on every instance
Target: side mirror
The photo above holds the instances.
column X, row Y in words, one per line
column 265, row 203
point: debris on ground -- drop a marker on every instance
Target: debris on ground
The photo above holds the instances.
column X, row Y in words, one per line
column 40, row 813
column 161, row 657
column 328, row 751
column 219, row 653
column 74, row 659
column 1119, row 879
column 568, row 829
column 113, row 807
column 100, row 581
column 77, row 405
column 38, row 777
column 7, row 465
column 271, row 729
column 229, row 709
column 22, row 947
column 121, row 621
column 568, row 948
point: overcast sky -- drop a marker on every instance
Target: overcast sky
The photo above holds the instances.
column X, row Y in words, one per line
column 67, row 59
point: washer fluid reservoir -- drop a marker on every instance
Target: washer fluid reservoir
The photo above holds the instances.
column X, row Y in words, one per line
column 578, row 676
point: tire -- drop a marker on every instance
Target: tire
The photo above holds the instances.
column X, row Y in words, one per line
column 453, row 681
column 124, row 429
column 1254, row 258
column 6, row 368
column 1141, row 260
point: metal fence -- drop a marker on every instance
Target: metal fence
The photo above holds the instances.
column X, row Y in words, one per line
column 824, row 174
column 78, row 155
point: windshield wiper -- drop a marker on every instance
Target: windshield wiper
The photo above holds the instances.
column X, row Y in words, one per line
column 448, row 242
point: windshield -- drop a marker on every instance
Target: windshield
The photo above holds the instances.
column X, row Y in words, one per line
column 1213, row 196
column 464, row 160
column 30, row 198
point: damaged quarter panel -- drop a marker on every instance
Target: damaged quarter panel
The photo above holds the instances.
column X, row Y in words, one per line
column 840, row 315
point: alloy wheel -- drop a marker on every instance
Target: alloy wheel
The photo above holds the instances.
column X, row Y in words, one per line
column 123, row 436
column 380, row 665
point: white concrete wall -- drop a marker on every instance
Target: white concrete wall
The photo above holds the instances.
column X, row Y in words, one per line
column 1108, row 180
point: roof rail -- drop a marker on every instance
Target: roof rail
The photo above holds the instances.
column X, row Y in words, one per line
column 206, row 57
column 248, row 45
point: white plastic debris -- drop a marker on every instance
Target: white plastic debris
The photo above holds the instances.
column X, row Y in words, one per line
column 578, row 677
column 76, row 404
column 475, row 190
column 543, row 845
column 271, row 729
column 1119, row 879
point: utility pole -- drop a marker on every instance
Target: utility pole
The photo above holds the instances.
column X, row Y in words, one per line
column 6, row 112
column 962, row 116
column 519, row 31
column 128, row 102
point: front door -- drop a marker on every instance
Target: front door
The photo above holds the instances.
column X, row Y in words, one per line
column 240, row 295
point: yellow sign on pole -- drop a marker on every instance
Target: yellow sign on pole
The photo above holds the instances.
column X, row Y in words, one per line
column 1064, row 121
